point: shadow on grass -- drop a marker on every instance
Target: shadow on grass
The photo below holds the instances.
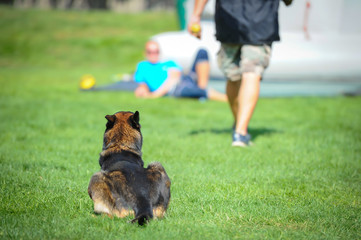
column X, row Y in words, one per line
column 255, row 132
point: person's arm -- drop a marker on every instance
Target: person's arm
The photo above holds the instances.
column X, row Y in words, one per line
column 196, row 16
column 142, row 90
column 139, row 77
column 174, row 76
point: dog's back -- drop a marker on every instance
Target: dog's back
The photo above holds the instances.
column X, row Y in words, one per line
column 124, row 186
column 131, row 189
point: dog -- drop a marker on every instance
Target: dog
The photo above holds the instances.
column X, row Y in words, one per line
column 124, row 187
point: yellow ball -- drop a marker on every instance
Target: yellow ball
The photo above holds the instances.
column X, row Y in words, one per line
column 195, row 28
column 87, row 82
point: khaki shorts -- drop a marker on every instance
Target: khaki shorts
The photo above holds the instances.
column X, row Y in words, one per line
column 234, row 59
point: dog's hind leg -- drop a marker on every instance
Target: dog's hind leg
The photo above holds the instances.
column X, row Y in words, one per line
column 159, row 212
column 161, row 182
column 121, row 209
column 100, row 193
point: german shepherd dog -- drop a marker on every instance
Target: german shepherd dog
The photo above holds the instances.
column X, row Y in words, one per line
column 123, row 186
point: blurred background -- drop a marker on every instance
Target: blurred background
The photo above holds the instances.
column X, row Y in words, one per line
column 113, row 5
column 320, row 41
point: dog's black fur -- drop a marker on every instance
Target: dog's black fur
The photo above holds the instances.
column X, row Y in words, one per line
column 124, row 186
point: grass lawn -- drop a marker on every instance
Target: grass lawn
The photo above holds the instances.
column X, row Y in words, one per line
column 301, row 179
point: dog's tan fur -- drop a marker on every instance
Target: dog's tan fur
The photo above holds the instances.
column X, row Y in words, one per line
column 124, row 187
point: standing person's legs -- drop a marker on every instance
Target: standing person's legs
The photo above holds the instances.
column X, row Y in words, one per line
column 243, row 84
column 228, row 61
column 247, row 100
column 254, row 60
column 232, row 91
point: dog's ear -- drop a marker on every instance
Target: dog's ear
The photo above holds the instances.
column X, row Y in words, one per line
column 134, row 119
column 111, row 121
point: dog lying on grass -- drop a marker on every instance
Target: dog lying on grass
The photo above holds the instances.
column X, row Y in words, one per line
column 123, row 186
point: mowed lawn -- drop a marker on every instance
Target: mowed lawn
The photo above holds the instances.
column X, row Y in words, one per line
column 300, row 180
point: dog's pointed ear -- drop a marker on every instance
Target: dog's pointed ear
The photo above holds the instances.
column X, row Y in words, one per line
column 111, row 121
column 135, row 120
column 136, row 116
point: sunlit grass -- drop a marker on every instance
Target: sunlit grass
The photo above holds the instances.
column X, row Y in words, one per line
column 301, row 179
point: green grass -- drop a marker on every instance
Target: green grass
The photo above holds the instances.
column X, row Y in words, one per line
column 301, row 180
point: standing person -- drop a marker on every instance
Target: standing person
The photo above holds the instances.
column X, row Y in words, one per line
column 246, row 30
column 157, row 78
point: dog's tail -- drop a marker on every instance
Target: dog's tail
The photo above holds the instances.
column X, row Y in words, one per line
column 143, row 213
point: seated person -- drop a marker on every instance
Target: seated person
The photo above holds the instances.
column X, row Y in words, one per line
column 156, row 78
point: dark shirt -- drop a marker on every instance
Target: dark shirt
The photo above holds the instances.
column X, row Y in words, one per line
column 247, row 21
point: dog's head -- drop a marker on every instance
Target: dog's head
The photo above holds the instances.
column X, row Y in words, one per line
column 122, row 133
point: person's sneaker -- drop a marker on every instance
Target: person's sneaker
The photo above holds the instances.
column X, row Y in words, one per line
column 240, row 140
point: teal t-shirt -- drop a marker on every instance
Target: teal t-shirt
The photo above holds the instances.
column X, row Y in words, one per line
column 154, row 74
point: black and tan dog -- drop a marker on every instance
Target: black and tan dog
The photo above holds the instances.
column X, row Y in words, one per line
column 124, row 186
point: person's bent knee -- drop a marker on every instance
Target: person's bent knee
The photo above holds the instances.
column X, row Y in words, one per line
column 202, row 55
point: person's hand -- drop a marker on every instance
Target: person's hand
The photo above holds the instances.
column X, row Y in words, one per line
column 142, row 92
column 194, row 27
